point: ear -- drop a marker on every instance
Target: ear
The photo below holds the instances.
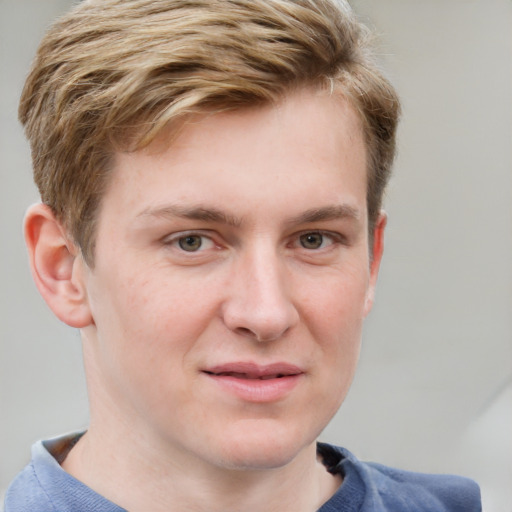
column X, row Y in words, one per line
column 376, row 257
column 57, row 267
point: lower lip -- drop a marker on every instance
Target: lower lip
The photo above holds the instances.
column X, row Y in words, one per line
column 257, row 390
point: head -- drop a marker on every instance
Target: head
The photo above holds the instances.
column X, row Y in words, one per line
column 211, row 171
column 113, row 75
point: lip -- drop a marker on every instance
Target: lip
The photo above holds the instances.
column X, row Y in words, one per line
column 256, row 383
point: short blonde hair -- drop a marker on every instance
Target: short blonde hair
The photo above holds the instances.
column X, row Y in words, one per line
column 113, row 74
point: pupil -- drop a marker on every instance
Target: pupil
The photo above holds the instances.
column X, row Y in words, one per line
column 190, row 243
column 311, row 240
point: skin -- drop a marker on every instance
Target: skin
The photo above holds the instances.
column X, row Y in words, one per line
column 245, row 240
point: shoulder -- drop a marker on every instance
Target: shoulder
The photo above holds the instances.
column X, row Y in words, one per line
column 382, row 488
column 43, row 486
column 448, row 493
column 26, row 493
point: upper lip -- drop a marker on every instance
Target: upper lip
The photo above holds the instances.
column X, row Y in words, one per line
column 249, row 370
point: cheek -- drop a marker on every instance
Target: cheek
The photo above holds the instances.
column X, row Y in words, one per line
column 335, row 304
column 139, row 342
column 334, row 316
column 149, row 325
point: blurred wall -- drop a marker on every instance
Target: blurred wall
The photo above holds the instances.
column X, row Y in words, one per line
column 434, row 390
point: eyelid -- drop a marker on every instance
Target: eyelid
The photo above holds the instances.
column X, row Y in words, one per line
column 173, row 238
column 337, row 238
column 170, row 240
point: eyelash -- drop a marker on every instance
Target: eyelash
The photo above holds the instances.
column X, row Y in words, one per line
column 335, row 238
column 176, row 239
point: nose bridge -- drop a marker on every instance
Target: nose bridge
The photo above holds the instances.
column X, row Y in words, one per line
column 265, row 277
column 260, row 305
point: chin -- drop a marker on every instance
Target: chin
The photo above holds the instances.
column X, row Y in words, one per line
column 259, row 447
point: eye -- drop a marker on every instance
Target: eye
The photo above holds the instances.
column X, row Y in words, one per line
column 314, row 240
column 190, row 243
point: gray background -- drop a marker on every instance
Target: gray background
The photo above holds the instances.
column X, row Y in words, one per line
column 434, row 389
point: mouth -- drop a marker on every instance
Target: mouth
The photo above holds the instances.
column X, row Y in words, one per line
column 255, row 383
column 252, row 371
column 237, row 375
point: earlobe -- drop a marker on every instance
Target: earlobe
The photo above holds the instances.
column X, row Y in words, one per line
column 376, row 258
column 57, row 267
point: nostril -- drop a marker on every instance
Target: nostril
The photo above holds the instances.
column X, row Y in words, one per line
column 260, row 336
column 244, row 331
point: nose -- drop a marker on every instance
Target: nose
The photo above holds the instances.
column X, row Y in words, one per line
column 259, row 303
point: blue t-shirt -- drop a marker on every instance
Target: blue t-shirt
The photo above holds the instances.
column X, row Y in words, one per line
column 43, row 486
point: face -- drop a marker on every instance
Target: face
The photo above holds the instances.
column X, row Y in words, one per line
column 231, row 279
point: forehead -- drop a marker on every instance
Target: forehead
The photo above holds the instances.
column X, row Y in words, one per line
column 299, row 114
column 309, row 141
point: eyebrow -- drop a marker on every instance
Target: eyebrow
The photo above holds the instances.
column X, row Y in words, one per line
column 211, row 214
column 326, row 213
column 193, row 213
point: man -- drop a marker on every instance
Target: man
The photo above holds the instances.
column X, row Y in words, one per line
column 211, row 175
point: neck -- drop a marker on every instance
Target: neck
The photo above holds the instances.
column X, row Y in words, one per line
column 138, row 477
